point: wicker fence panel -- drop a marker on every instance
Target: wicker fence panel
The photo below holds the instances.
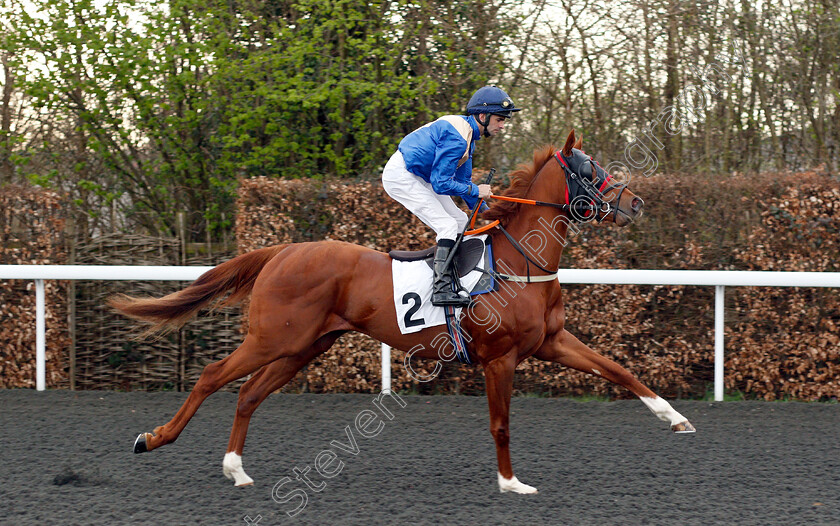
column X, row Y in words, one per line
column 110, row 354
column 211, row 336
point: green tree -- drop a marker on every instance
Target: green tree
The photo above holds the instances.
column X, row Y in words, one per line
column 135, row 93
column 167, row 106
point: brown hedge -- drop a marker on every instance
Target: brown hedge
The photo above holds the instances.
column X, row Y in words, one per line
column 786, row 340
column 780, row 342
column 31, row 233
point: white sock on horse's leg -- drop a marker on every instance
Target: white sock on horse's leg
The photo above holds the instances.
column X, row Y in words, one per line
column 663, row 410
column 514, row 486
column 232, row 468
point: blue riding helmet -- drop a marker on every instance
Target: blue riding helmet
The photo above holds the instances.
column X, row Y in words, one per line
column 491, row 100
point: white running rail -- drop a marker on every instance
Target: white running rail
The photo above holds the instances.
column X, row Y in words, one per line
column 719, row 279
column 39, row 273
column 711, row 278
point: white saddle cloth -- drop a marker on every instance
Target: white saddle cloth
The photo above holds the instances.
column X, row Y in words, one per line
column 413, row 294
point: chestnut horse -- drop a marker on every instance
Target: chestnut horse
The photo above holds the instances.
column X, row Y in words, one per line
column 304, row 296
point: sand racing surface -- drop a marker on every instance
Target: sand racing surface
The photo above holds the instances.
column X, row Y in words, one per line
column 67, row 459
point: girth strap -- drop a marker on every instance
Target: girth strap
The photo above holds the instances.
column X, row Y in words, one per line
column 527, row 279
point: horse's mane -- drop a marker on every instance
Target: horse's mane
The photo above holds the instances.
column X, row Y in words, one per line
column 520, row 183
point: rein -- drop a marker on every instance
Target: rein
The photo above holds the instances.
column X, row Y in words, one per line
column 559, row 206
column 595, row 195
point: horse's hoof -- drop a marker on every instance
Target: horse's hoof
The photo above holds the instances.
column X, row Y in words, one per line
column 140, row 443
column 232, row 468
column 683, row 427
column 512, row 485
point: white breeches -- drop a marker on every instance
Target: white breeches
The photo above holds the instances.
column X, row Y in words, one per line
column 437, row 211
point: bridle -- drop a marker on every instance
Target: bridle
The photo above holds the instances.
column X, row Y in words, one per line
column 576, row 207
column 595, row 195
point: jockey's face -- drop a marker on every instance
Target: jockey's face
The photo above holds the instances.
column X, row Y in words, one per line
column 496, row 124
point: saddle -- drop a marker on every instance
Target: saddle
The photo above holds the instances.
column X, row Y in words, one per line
column 467, row 257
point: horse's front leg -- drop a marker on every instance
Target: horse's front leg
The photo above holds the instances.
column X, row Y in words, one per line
column 499, row 380
column 565, row 349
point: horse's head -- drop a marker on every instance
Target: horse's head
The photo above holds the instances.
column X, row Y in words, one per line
column 588, row 185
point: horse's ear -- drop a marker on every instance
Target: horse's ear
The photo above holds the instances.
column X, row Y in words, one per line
column 570, row 140
column 579, row 142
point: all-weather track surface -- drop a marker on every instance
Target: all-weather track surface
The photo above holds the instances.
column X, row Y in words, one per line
column 66, row 458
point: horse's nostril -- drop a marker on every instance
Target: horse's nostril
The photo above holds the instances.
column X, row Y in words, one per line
column 637, row 204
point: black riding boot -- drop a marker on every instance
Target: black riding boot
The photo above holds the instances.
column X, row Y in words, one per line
column 442, row 293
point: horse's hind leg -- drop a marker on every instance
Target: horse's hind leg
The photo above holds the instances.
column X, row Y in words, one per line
column 567, row 350
column 246, row 359
column 253, row 392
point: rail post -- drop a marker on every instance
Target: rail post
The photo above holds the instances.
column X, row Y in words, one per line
column 40, row 337
column 719, row 310
column 386, row 368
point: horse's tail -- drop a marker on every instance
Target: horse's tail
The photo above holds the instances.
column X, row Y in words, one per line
column 174, row 310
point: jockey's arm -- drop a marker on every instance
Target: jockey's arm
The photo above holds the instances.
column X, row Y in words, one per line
column 464, row 173
column 447, row 178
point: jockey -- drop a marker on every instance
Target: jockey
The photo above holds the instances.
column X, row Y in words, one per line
column 435, row 162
